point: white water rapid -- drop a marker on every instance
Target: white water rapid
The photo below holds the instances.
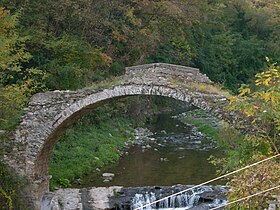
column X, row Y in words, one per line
column 179, row 202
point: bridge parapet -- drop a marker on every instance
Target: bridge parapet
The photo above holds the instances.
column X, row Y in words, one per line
column 187, row 74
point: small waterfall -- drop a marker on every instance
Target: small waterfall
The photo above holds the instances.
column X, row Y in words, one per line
column 140, row 199
column 180, row 201
column 183, row 201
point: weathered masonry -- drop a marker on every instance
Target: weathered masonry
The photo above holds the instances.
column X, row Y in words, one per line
column 49, row 114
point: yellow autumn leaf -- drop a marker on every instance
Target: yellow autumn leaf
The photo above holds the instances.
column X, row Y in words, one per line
column 244, row 91
column 266, row 81
column 249, row 112
column 266, row 96
column 232, row 99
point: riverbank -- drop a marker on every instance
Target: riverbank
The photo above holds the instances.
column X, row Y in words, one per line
column 83, row 148
column 227, row 138
column 203, row 122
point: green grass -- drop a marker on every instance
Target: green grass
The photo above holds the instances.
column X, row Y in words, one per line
column 108, row 83
column 83, row 148
column 237, row 150
column 201, row 87
column 201, row 121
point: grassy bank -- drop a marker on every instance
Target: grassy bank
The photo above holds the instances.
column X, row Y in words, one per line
column 204, row 122
column 228, row 139
column 84, row 147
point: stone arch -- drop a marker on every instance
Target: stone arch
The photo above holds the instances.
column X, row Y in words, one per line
column 49, row 114
column 39, row 164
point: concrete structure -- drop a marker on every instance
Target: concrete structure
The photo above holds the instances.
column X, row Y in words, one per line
column 49, row 114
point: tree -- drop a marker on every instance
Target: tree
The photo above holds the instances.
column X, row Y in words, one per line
column 17, row 83
column 261, row 105
column 73, row 63
column 12, row 50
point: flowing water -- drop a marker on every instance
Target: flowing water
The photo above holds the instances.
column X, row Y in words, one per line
column 184, row 201
column 177, row 155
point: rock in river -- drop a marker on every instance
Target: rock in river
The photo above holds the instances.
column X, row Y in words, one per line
column 108, row 176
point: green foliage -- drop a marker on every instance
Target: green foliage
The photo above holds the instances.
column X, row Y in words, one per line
column 260, row 105
column 95, row 141
column 73, row 63
column 12, row 103
column 10, row 186
column 228, row 40
column 237, row 151
column 64, row 183
column 17, row 83
column 233, row 41
column 117, row 69
column 12, row 50
column 251, row 181
column 179, row 52
column 201, row 119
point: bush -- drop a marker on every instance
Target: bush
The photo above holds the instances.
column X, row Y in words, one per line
column 10, row 188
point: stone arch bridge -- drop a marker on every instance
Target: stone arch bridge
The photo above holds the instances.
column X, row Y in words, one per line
column 49, row 114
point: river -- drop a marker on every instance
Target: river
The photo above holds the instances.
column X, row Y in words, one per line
column 177, row 154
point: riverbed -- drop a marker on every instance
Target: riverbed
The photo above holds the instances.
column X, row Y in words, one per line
column 175, row 154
